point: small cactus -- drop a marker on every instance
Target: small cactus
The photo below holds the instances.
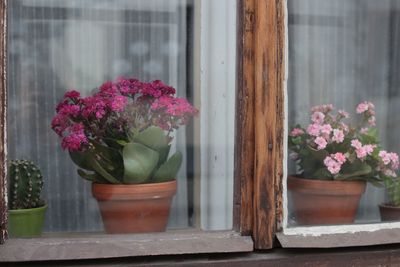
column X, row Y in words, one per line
column 25, row 185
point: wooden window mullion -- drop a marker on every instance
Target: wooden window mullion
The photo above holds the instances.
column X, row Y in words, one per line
column 260, row 119
column 3, row 134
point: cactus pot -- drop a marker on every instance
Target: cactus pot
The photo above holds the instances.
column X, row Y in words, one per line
column 322, row 202
column 26, row 222
column 136, row 208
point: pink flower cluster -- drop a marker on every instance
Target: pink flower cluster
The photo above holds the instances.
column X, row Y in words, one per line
column 117, row 107
column 389, row 163
column 334, row 162
column 325, row 128
column 296, row 132
column 362, row 150
column 348, row 147
column 368, row 109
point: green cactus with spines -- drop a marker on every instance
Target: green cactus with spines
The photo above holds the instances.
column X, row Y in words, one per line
column 25, row 185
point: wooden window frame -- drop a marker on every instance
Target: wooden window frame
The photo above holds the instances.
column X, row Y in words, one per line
column 257, row 210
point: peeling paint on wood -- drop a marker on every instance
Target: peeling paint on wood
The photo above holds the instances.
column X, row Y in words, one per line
column 260, row 119
column 3, row 122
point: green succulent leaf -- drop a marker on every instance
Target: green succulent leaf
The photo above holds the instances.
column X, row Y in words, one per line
column 169, row 169
column 104, row 173
column 139, row 163
column 163, row 154
column 92, row 177
column 81, row 160
column 122, row 142
column 152, row 137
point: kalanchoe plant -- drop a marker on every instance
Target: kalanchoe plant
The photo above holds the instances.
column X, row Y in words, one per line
column 393, row 188
column 331, row 148
column 25, row 185
column 122, row 132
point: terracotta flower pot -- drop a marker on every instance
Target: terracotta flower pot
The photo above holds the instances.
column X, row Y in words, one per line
column 138, row 208
column 389, row 212
column 325, row 201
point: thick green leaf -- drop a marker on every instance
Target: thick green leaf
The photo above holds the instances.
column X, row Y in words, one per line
column 152, row 137
column 322, row 174
column 363, row 169
column 169, row 169
column 104, row 173
column 93, row 177
column 122, row 142
column 163, row 155
column 81, row 160
column 139, row 163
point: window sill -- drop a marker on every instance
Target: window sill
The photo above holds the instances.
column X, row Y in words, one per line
column 94, row 246
column 340, row 235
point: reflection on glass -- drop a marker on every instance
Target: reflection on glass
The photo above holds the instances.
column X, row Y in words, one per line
column 55, row 46
column 343, row 54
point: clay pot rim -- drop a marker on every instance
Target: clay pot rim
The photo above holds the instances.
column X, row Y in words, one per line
column 134, row 191
column 325, row 187
column 388, row 206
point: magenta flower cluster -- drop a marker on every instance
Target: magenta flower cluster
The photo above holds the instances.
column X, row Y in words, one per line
column 116, row 108
column 329, row 142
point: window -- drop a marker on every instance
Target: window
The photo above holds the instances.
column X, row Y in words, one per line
column 56, row 28
column 342, row 53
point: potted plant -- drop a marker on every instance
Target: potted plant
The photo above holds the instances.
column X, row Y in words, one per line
column 390, row 211
column 26, row 208
column 334, row 160
column 120, row 138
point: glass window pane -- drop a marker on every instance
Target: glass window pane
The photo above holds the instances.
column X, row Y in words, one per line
column 342, row 53
column 55, row 46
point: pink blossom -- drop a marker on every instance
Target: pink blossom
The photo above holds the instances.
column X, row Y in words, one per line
column 389, row 172
column 69, row 110
column 107, row 86
column 76, row 138
column 318, row 117
column 326, row 129
column 332, row 165
column 362, row 107
column 94, row 106
column 343, row 113
column 364, row 130
column 313, row 129
column 339, row 157
column 365, row 151
column 321, row 142
column 344, row 127
column 322, row 108
column 385, row 157
column 356, row 144
column 296, row 132
column 338, row 136
column 371, row 108
column 72, row 94
column 372, row 121
column 118, row 103
column 389, row 158
column 59, row 124
column 394, row 157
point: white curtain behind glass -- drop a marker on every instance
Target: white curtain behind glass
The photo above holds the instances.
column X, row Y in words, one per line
column 344, row 52
column 218, row 79
column 56, row 45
